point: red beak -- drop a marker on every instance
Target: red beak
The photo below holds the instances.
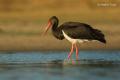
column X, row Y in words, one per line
column 47, row 27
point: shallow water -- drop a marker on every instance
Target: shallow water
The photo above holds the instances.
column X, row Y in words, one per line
column 92, row 65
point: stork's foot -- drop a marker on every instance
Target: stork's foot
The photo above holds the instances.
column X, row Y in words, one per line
column 69, row 61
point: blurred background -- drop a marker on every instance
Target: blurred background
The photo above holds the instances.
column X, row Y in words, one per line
column 22, row 22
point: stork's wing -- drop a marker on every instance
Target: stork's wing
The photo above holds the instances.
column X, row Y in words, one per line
column 77, row 30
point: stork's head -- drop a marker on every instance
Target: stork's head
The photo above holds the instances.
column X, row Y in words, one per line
column 51, row 22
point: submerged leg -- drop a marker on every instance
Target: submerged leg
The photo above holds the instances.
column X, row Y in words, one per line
column 76, row 51
column 69, row 55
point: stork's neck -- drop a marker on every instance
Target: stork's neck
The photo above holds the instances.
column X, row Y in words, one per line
column 55, row 24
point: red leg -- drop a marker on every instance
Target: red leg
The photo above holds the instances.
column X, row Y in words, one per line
column 69, row 55
column 76, row 51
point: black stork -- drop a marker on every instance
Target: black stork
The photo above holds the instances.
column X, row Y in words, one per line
column 74, row 32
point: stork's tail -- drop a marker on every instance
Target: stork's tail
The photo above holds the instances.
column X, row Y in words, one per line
column 99, row 36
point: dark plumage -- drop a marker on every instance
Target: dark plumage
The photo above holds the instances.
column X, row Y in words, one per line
column 76, row 30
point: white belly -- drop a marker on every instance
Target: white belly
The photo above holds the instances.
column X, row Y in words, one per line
column 73, row 40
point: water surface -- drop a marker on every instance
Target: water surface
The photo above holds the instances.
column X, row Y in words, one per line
column 92, row 65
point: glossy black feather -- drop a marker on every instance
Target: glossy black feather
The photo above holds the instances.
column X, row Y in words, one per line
column 78, row 30
column 58, row 34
